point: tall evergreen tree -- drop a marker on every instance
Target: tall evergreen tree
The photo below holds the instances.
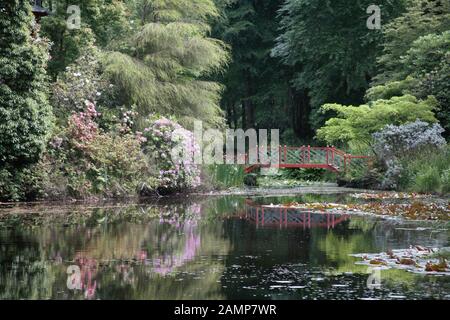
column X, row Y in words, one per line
column 170, row 59
column 25, row 114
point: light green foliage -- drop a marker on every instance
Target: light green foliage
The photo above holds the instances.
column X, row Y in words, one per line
column 427, row 66
column 25, row 113
column 391, row 89
column 358, row 123
column 172, row 55
column 445, row 178
column 428, row 60
column 428, row 180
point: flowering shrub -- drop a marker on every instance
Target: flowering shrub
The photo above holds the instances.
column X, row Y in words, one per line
column 82, row 127
column 94, row 162
column 81, row 81
column 172, row 148
column 396, row 146
column 392, row 175
column 397, row 141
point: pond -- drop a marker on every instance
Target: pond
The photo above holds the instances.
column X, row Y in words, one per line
column 207, row 248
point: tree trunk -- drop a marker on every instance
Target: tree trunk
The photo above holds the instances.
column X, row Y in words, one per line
column 301, row 110
column 249, row 112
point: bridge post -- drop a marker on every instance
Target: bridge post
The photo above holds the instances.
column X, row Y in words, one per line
column 303, row 154
column 332, row 154
column 285, row 154
column 309, row 153
column 326, row 150
column 279, row 155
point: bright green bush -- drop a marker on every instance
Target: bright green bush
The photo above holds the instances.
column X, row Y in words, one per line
column 356, row 124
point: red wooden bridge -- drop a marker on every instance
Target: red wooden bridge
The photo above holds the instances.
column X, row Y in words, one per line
column 328, row 158
column 286, row 216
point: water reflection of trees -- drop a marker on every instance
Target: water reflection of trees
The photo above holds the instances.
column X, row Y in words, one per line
column 164, row 256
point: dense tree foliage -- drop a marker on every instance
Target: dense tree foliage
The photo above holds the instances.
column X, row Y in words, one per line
column 24, row 109
column 170, row 58
column 422, row 17
column 415, row 56
column 255, row 82
column 311, row 68
column 104, row 22
column 332, row 48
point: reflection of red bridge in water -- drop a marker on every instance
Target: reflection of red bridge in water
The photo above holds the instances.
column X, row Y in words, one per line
column 328, row 158
column 285, row 216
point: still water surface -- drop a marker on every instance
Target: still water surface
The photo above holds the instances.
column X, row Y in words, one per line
column 217, row 248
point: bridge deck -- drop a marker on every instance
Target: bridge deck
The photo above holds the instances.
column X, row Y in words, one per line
column 328, row 158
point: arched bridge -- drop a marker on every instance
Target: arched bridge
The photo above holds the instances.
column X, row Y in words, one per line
column 329, row 158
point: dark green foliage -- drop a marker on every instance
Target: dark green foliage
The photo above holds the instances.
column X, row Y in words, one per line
column 18, row 184
column 256, row 84
column 421, row 18
column 331, row 48
column 24, row 110
column 304, row 174
column 251, row 180
column 103, row 22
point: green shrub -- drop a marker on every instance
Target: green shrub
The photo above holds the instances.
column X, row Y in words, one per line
column 426, row 171
column 25, row 114
column 23, row 183
column 312, row 174
column 86, row 161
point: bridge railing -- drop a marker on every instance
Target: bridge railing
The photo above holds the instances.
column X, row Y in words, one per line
column 308, row 156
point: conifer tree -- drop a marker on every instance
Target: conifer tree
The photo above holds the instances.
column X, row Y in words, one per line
column 171, row 57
